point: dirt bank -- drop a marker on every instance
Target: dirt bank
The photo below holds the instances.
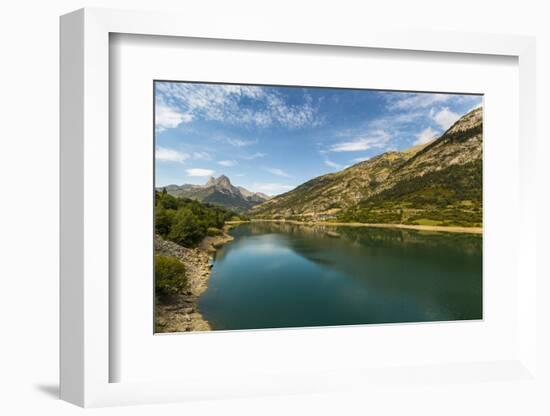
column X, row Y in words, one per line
column 180, row 313
column 448, row 229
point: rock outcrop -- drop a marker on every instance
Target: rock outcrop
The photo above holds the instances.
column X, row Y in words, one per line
column 219, row 191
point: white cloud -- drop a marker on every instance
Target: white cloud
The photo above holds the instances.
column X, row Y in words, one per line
column 445, row 118
column 227, row 163
column 164, row 154
column 391, row 122
column 404, row 101
column 199, row 172
column 396, row 121
column 405, row 112
column 168, row 117
column 378, row 139
column 277, row 172
column 425, row 136
column 374, row 133
column 332, row 164
column 238, row 104
column 256, row 155
column 360, row 159
column 271, row 188
column 240, row 142
column 202, row 156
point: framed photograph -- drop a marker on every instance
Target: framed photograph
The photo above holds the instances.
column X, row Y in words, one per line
column 345, row 207
column 244, row 214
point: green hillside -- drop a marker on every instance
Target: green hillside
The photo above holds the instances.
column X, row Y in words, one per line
column 450, row 196
column 438, row 183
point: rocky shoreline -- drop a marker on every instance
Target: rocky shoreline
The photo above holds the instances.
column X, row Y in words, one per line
column 449, row 228
column 180, row 313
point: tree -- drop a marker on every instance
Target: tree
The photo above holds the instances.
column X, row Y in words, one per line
column 163, row 220
column 168, row 201
column 186, row 228
column 185, row 221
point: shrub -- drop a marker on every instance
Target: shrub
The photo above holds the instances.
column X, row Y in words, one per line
column 213, row 232
column 170, row 276
column 185, row 221
column 163, row 220
column 186, row 229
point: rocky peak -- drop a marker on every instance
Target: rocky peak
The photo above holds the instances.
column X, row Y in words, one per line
column 219, row 191
column 222, row 181
column 467, row 122
column 245, row 192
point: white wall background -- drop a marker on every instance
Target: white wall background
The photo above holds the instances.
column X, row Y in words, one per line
column 29, row 56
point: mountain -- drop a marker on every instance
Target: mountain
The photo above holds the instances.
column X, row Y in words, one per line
column 254, row 196
column 438, row 183
column 219, row 191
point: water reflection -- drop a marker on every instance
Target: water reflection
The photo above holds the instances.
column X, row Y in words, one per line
column 281, row 275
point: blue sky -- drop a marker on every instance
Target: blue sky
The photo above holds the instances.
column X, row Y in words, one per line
column 272, row 139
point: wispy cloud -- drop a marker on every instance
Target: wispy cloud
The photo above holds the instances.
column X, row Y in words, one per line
column 237, row 104
column 199, row 172
column 240, row 142
column 202, row 156
column 391, row 122
column 376, row 139
column 277, row 172
column 167, row 117
column 332, row 164
column 445, row 118
column 405, row 101
column 425, row 136
column 164, row 154
column 373, row 133
column 253, row 156
column 227, row 163
column 360, row 159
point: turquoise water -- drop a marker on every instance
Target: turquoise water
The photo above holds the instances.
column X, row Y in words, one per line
column 286, row 275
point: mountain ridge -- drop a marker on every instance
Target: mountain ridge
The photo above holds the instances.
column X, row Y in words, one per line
column 438, row 182
column 218, row 191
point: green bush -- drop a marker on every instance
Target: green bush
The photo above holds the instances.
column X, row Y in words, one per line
column 187, row 229
column 164, row 219
column 170, row 276
column 213, row 232
column 185, row 221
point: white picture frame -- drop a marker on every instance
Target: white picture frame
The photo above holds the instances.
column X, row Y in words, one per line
column 85, row 164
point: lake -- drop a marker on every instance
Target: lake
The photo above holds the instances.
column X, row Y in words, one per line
column 276, row 275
